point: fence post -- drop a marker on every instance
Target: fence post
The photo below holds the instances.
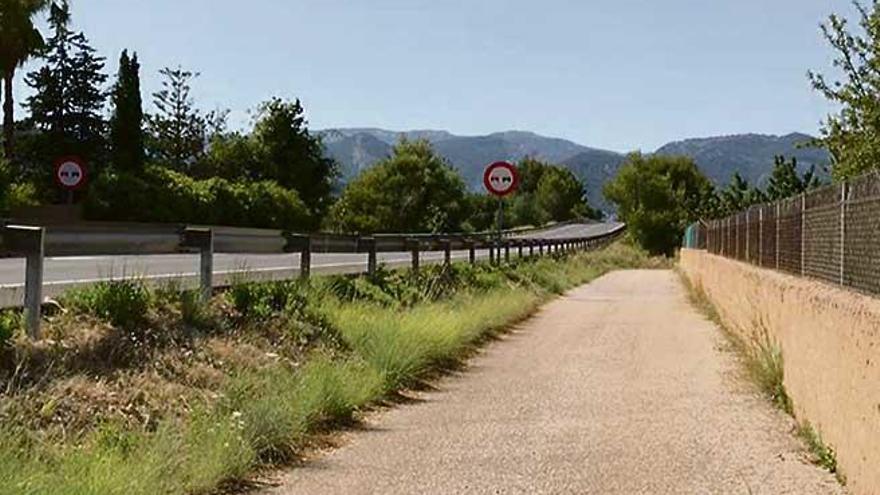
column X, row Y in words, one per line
column 29, row 242
column 738, row 254
column 413, row 245
column 748, row 253
column 778, row 213
column 203, row 240
column 803, row 234
column 507, row 251
column 843, row 194
column 446, row 244
column 761, row 236
column 472, row 252
column 519, row 245
column 531, row 249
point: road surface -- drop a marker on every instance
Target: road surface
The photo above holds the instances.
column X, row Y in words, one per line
column 620, row 387
column 64, row 273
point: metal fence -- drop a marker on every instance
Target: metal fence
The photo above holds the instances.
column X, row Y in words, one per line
column 35, row 243
column 830, row 234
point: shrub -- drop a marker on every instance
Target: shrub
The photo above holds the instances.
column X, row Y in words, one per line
column 124, row 303
column 164, row 196
column 10, row 323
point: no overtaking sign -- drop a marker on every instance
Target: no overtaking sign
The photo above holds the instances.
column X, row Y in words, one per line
column 70, row 173
column 501, row 179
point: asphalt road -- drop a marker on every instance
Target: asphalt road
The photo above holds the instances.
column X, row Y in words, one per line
column 61, row 274
column 620, row 387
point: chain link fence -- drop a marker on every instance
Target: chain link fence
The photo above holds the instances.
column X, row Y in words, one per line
column 831, row 234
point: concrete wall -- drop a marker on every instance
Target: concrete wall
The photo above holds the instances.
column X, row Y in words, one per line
column 830, row 340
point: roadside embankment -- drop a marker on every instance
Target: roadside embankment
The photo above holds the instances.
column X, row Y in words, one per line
column 829, row 339
column 139, row 390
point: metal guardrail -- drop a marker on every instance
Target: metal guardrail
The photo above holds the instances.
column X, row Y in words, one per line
column 36, row 243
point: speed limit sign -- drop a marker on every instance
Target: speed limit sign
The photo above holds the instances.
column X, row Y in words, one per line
column 70, row 173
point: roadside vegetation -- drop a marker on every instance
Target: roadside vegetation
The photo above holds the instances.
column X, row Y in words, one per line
column 139, row 390
column 763, row 364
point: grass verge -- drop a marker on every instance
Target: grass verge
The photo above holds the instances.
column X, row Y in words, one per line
column 764, row 365
column 140, row 391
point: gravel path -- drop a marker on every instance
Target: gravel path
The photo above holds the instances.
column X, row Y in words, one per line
column 619, row 387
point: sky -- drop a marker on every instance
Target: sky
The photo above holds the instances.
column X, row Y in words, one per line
column 615, row 74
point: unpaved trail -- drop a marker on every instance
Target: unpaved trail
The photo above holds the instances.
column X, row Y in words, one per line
column 619, row 387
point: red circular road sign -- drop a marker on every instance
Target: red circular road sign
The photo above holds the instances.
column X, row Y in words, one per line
column 501, row 179
column 71, row 173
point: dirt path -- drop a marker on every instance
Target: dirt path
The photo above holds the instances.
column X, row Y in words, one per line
column 619, row 387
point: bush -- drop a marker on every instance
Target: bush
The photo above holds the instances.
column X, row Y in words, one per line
column 164, row 196
column 123, row 303
column 10, row 323
column 14, row 194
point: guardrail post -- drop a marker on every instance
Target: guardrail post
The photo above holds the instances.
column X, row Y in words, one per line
column 507, row 251
column 29, row 242
column 301, row 244
column 531, row 249
column 447, row 251
column 203, row 240
column 368, row 244
column 472, row 252
column 413, row 246
column 519, row 245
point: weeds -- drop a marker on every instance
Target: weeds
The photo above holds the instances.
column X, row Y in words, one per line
column 123, row 303
column 824, row 455
column 766, row 366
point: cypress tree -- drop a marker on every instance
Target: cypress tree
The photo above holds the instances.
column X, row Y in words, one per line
column 126, row 124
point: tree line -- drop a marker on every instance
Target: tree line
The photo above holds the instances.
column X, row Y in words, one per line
column 177, row 163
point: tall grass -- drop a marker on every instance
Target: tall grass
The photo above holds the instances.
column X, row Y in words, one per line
column 396, row 330
column 401, row 346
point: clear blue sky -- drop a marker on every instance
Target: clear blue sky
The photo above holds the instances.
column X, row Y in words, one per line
column 617, row 74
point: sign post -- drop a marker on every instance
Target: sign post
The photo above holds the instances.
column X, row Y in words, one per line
column 501, row 179
column 71, row 174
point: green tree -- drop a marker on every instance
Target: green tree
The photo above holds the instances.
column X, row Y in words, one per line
column 561, row 196
column 786, row 182
column 291, row 156
column 127, row 122
column 851, row 134
column 414, row 190
column 19, row 41
column 232, row 156
column 736, row 196
column 658, row 197
column 178, row 132
column 68, row 100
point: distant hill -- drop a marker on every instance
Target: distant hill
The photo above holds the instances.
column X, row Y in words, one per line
column 357, row 149
column 749, row 154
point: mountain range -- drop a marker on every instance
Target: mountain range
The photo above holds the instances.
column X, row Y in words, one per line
column 752, row 155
